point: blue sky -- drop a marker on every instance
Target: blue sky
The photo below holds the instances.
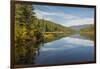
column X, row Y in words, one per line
column 67, row 16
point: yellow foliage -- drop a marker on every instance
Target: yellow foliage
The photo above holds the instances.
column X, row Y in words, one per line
column 20, row 32
column 48, row 36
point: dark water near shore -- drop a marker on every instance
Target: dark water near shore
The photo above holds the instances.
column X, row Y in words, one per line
column 74, row 48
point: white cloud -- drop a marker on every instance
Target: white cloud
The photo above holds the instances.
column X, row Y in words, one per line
column 64, row 18
column 79, row 21
column 41, row 14
column 68, row 43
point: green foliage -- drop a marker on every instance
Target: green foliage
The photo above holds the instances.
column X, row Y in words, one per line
column 88, row 32
column 48, row 26
column 24, row 32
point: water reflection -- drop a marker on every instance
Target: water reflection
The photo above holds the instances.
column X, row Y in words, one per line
column 26, row 52
column 75, row 48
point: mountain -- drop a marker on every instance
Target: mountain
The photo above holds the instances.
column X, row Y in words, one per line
column 49, row 26
column 79, row 27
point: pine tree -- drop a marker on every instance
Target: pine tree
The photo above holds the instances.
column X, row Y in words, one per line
column 24, row 18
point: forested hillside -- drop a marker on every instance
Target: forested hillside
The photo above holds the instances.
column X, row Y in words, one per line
column 49, row 26
column 88, row 31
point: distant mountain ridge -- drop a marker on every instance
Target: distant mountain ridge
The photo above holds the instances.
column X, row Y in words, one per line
column 80, row 26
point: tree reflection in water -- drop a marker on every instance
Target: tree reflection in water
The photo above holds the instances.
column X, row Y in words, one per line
column 26, row 52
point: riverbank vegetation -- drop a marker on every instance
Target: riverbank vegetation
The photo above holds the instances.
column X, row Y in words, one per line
column 88, row 32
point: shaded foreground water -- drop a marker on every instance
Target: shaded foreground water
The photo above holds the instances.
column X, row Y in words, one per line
column 74, row 48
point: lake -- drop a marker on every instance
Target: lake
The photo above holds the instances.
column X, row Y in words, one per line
column 70, row 49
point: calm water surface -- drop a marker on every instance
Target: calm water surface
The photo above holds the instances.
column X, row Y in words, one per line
column 71, row 49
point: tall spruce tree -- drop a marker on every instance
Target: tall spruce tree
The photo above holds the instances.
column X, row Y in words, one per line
column 24, row 18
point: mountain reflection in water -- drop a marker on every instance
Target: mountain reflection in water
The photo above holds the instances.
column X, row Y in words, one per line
column 71, row 49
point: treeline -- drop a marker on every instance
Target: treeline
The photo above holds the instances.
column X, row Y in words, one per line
column 48, row 26
column 88, row 31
